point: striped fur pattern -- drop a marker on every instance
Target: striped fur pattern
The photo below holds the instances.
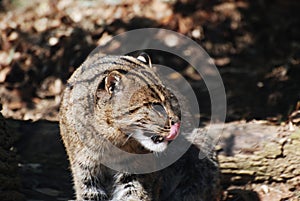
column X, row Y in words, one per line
column 121, row 101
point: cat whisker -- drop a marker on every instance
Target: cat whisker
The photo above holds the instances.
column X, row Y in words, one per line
column 156, row 154
column 128, row 137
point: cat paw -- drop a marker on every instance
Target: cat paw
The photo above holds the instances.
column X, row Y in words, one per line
column 131, row 191
column 93, row 194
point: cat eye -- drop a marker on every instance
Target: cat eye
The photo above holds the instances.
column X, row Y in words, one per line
column 159, row 108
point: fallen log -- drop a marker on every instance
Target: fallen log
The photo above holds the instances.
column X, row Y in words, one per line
column 258, row 153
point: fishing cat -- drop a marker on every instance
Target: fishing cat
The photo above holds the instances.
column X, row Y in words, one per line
column 120, row 102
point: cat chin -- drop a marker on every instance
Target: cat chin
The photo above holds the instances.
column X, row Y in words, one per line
column 148, row 143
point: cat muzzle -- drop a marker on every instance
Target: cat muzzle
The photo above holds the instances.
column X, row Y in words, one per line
column 174, row 131
column 157, row 138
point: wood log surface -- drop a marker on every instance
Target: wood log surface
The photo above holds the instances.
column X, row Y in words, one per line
column 260, row 156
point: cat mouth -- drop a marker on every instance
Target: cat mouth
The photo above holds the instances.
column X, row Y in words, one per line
column 174, row 132
column 157, row 142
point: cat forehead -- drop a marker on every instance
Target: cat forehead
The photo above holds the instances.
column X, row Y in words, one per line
column 130, row 68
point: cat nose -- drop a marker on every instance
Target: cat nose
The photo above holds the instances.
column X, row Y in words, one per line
column 173, row 120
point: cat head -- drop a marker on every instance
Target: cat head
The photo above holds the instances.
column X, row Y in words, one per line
column 136, row 106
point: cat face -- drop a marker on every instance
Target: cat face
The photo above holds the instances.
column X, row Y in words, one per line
column 140, row 107
column 154, row 122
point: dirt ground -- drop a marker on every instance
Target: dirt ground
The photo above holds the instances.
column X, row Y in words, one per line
column 255, row 45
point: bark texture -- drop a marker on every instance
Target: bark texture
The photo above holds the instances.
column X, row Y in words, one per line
column 258, row 153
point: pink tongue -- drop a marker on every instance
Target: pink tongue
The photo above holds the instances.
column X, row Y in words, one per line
column 173, row 132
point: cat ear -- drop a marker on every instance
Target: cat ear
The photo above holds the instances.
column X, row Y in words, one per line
column 145, row 58
column 112, row 81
